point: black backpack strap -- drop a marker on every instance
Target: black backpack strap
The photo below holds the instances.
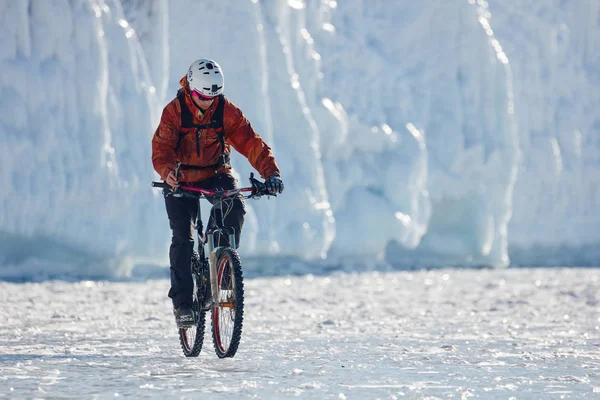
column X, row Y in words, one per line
column 186, row 115
column 224, row 159
column 218, row 121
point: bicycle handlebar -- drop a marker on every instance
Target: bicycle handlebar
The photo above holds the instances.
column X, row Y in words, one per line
column 162, row 185
column 256, row 190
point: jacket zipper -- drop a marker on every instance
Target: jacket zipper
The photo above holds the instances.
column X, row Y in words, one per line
column 198, row 132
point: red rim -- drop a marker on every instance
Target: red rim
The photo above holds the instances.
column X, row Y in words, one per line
column 216, row 309
column 186, row 340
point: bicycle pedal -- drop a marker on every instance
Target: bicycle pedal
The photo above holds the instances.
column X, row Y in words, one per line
column 185, row 323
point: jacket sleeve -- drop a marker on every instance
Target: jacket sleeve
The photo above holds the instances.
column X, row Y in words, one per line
column 240, row 134
column 164, row 142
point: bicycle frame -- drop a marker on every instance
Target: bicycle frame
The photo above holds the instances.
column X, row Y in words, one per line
column 219, row 195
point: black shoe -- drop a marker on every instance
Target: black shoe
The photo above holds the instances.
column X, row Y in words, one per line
column 184, row 317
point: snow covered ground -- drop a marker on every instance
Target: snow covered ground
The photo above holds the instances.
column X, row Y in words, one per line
column 492, row 334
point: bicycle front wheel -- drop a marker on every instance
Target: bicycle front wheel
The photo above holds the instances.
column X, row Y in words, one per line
column 228, row 312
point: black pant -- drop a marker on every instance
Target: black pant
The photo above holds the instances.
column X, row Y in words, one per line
column 183, row 213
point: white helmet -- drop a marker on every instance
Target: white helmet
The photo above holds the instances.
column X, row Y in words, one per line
column 205, row 76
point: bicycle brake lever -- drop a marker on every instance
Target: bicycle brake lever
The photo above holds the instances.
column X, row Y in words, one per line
column 257, row 186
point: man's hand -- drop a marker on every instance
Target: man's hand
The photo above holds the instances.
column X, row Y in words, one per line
column 274, row 184
column 172, row 180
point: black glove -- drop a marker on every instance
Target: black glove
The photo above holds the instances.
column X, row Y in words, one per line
column 274, row 184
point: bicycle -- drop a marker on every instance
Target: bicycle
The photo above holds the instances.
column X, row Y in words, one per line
column 218, row 278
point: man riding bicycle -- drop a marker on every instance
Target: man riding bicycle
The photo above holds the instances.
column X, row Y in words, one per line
column 192, row 146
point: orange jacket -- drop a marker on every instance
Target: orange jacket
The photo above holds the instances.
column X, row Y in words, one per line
column 205, row 149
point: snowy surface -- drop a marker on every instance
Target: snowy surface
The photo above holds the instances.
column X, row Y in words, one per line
column 459, row 334
column 457, row 132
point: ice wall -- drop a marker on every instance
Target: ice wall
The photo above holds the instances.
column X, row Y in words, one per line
column 554, row 48
column 408, row 133
column 78, row 104
column 437, row 82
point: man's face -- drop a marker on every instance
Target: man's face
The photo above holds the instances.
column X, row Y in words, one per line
column 201, row 101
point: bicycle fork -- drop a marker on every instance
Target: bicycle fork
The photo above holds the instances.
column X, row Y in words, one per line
column 213, row 250
column 212, row 261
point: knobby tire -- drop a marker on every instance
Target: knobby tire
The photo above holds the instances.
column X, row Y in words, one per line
column 228, row 314
column 192, row 338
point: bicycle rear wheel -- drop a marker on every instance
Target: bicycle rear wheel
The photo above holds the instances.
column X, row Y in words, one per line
column 228, row 312
column 192, row 338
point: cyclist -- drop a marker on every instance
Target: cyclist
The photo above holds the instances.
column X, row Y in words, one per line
column 197, row 129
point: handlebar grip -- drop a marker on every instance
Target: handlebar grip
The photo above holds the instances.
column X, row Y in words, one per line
column 162, row 185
